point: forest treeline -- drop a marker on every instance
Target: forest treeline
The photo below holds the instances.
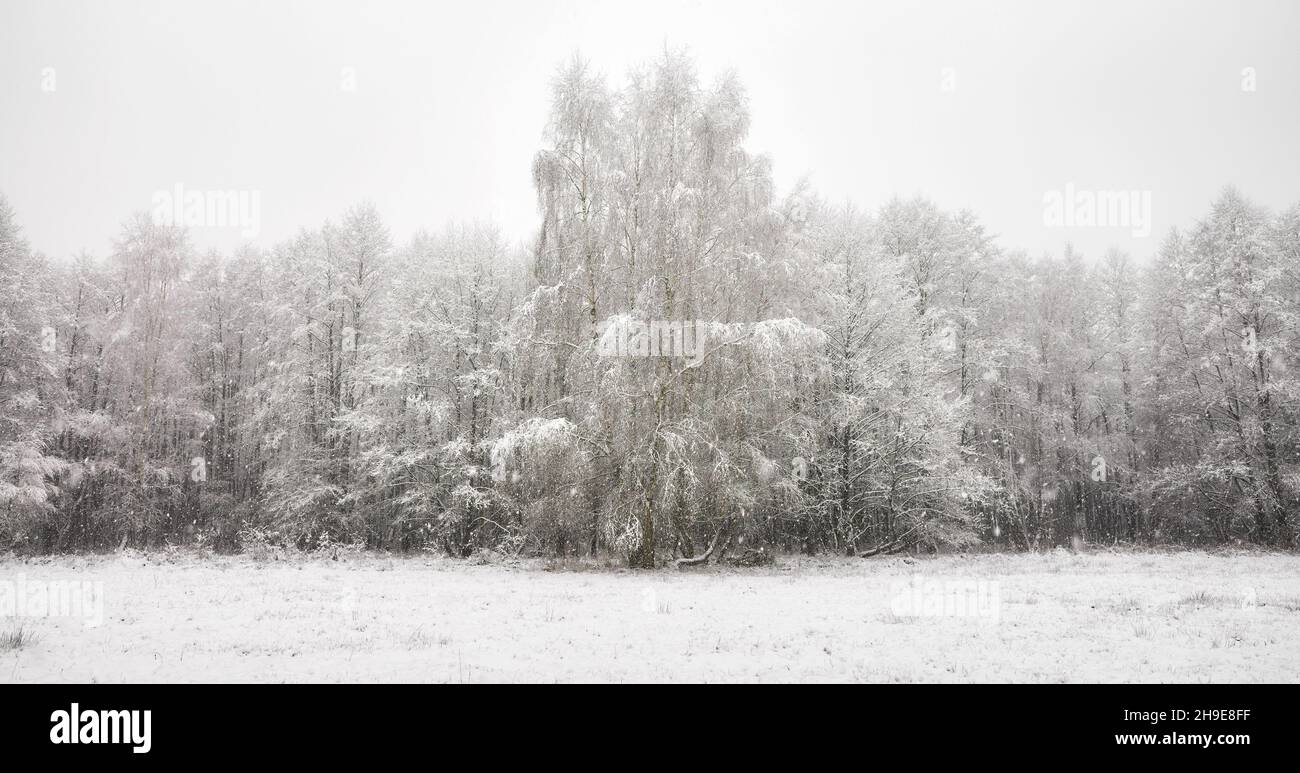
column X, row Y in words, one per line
column 871, row 381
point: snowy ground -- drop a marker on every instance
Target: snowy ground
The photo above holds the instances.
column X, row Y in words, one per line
column 1107, row 616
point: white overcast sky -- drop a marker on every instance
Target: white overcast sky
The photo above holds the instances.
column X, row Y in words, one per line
column 451, row 101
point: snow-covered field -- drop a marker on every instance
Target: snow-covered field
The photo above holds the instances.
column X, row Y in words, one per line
column 1106, row 616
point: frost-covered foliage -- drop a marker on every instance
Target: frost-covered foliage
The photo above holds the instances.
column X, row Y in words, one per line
column 798, row 375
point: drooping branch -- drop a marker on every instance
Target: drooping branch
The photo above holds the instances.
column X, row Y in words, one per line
column 892, row 546
column 704, row 557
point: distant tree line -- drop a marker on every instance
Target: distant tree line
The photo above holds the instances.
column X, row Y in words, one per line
column 861, row 383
